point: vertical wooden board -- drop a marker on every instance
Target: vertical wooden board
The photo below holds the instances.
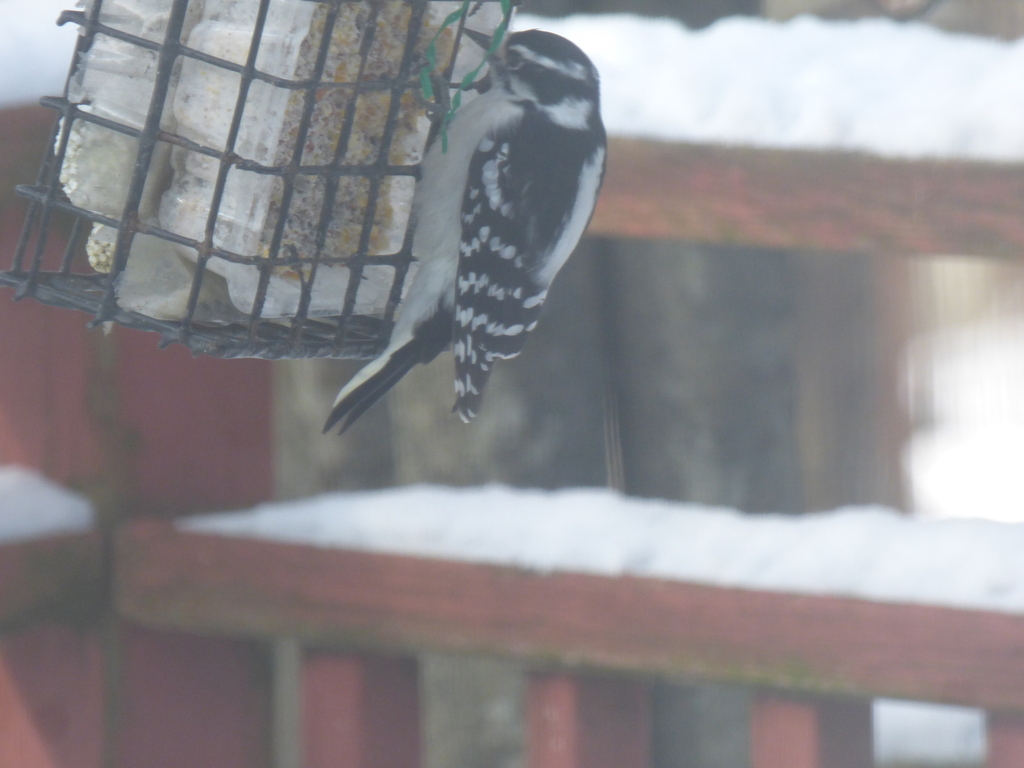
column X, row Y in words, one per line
column 191, row 701
column 24, row 425
column 695, row 726
column 819, row 733
column 702, row 359
column 1005, row 741
column 202, row 426
column 392, row 713
column 851, row 334
column 614, row 723
column 577, row 722
column 23, row 332
column 21, row 743
column 473, row 710
column 333, row 718
column 51, row 699
column 551, row 721
column 360, row 712
column 783, row 733
column 845, row 733
column 45, row 369
column 893, row 286
column 75, row 455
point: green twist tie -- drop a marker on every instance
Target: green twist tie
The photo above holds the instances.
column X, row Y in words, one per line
column 431, row 55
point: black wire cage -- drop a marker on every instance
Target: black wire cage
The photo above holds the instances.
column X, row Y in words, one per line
column 237, row 175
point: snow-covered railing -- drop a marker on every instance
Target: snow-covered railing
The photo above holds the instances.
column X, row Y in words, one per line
column 776, row 198
column 867, row 136
column 810, row 199
column 596, row 635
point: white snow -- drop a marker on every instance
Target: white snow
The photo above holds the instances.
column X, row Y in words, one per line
column 34, row 52
column 968, row 464
column 871, row 85
column 870, row 553
column 32, row 507
column 916, row 733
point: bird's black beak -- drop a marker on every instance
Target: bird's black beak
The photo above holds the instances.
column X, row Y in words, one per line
column 484, row 41
column 495, row 63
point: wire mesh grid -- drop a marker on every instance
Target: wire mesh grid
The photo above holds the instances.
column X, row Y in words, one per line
column 339, row 326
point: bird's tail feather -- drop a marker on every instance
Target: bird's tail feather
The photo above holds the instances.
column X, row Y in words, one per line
column 377, row 377
column 370, row 384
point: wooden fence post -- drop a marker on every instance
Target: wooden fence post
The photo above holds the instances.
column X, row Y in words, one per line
column 804, row 733
column 51, row 680
column 587, row 722
column 705, row 376
column 359, row 711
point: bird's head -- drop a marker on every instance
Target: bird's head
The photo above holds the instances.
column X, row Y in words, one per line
column 551, row 73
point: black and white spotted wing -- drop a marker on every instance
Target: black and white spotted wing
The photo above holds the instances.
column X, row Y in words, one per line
column 497, row 301
column 499, row 291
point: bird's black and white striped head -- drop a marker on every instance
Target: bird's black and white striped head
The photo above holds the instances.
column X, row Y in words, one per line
column 548, row 72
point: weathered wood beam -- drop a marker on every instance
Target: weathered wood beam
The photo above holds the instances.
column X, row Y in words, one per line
column 834, row 201
column 204, row 583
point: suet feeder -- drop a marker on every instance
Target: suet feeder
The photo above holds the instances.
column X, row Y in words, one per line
column 237, row 175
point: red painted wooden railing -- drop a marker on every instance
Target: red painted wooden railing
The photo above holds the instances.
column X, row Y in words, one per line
column 176, row 672
column 596, row 642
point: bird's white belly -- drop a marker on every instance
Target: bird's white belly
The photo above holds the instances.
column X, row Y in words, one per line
column 437, row 207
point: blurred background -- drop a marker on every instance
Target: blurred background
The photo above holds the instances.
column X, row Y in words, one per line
column 745, row 368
